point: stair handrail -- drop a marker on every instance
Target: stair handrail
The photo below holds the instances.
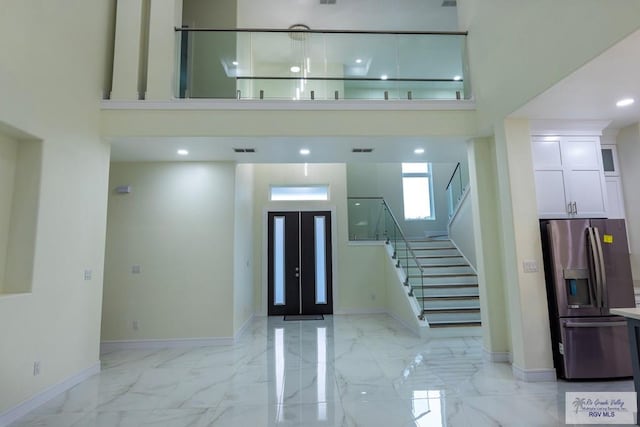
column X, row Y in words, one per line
column 452, row 175
column 395, row 221
column 413, row 255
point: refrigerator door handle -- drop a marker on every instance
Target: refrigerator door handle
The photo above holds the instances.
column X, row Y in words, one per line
column 594, row 324
column 593, row 253
column 603, row 275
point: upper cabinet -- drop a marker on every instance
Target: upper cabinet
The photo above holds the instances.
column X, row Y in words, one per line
column 610, row 160
column 569, row 177
column 615, row 199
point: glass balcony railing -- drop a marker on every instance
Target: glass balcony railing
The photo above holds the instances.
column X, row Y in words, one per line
column 302, row 64
column 456, row 187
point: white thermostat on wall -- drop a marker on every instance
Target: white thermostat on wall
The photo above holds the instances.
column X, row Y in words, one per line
column 123, row 189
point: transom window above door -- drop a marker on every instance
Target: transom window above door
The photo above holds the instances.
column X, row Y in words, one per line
column 284, row 193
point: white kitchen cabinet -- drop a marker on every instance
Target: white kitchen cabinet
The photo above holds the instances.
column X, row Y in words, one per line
column 615, row 205
column 569, row 177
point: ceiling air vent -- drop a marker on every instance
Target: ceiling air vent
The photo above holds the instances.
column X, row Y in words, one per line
column 449, row 3
column 362, row 150
column 244, row 150
column 327, row 1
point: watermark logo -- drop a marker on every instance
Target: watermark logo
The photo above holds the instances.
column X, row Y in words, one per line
column 600, row 407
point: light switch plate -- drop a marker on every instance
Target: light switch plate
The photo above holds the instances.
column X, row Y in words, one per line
column 530, row 265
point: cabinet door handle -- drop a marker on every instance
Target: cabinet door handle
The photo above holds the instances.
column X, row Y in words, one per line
column 575, row 208
column 569, row 208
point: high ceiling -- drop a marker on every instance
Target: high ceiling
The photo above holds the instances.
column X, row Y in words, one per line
column 591, row 92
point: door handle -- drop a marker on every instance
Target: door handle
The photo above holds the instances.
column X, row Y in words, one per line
column 593, row 253
column 603, row 274
column 569, row 208
column 575, row 208
column 594, row 324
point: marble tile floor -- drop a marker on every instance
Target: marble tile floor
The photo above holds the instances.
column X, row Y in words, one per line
column 364, row 370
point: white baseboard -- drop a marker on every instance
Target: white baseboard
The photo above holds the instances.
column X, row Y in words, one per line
column 373, row 310
column 417, row 330
column 106, row 346
column 243, row 329
column 533, row 375
column 20, row 410
column 497, row 356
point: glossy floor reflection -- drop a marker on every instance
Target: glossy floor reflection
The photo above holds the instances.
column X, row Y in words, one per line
column 343, row 371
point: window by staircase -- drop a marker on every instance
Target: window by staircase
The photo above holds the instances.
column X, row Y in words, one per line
column 417, row 191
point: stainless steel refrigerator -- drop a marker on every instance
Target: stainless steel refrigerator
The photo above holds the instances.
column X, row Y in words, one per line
column 588, row 271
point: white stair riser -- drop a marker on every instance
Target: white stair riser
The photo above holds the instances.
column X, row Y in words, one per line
column 445, row 292
column 430, row 245
column 470, row 317
column 417, row 281
column 448, row 303
column 426, row 262
column 413, row 269
column 429, row 253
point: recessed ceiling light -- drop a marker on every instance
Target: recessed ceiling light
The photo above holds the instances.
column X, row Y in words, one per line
column 419, row 151
column 625, row 102
column 305, row 151
column 295, row 69
column 235, row 62
column 456, row 78
column 384, row 77
column 183, row 152
column 358, row 61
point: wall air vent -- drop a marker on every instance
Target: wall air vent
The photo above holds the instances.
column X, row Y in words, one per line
column 362, row 150
column 244, row 150
column 449, row 3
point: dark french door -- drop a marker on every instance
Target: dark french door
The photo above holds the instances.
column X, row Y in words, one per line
column 299, row 257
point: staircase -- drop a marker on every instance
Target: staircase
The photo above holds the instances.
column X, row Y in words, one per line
column 447, row 287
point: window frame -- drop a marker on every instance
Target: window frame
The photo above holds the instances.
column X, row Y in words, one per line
column 429, row 176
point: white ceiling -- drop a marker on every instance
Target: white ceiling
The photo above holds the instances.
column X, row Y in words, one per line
column 286, row 150
column 591, row 92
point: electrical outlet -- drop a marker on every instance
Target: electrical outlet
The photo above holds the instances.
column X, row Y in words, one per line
column 135, row 269
column 87, row 275
column 530, row 265
column 36, row 368
column 135, row 325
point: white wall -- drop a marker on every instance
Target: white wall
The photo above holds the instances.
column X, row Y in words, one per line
column 628, row 143
column 385, row 180
column 177, row 224
column 461, row 230
column 8, row 157
column 243, row 241
column 526, row 297
column 358, row 282
column 349, row 15
column 488, row 247
column 24, row 215
column 53, row 57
